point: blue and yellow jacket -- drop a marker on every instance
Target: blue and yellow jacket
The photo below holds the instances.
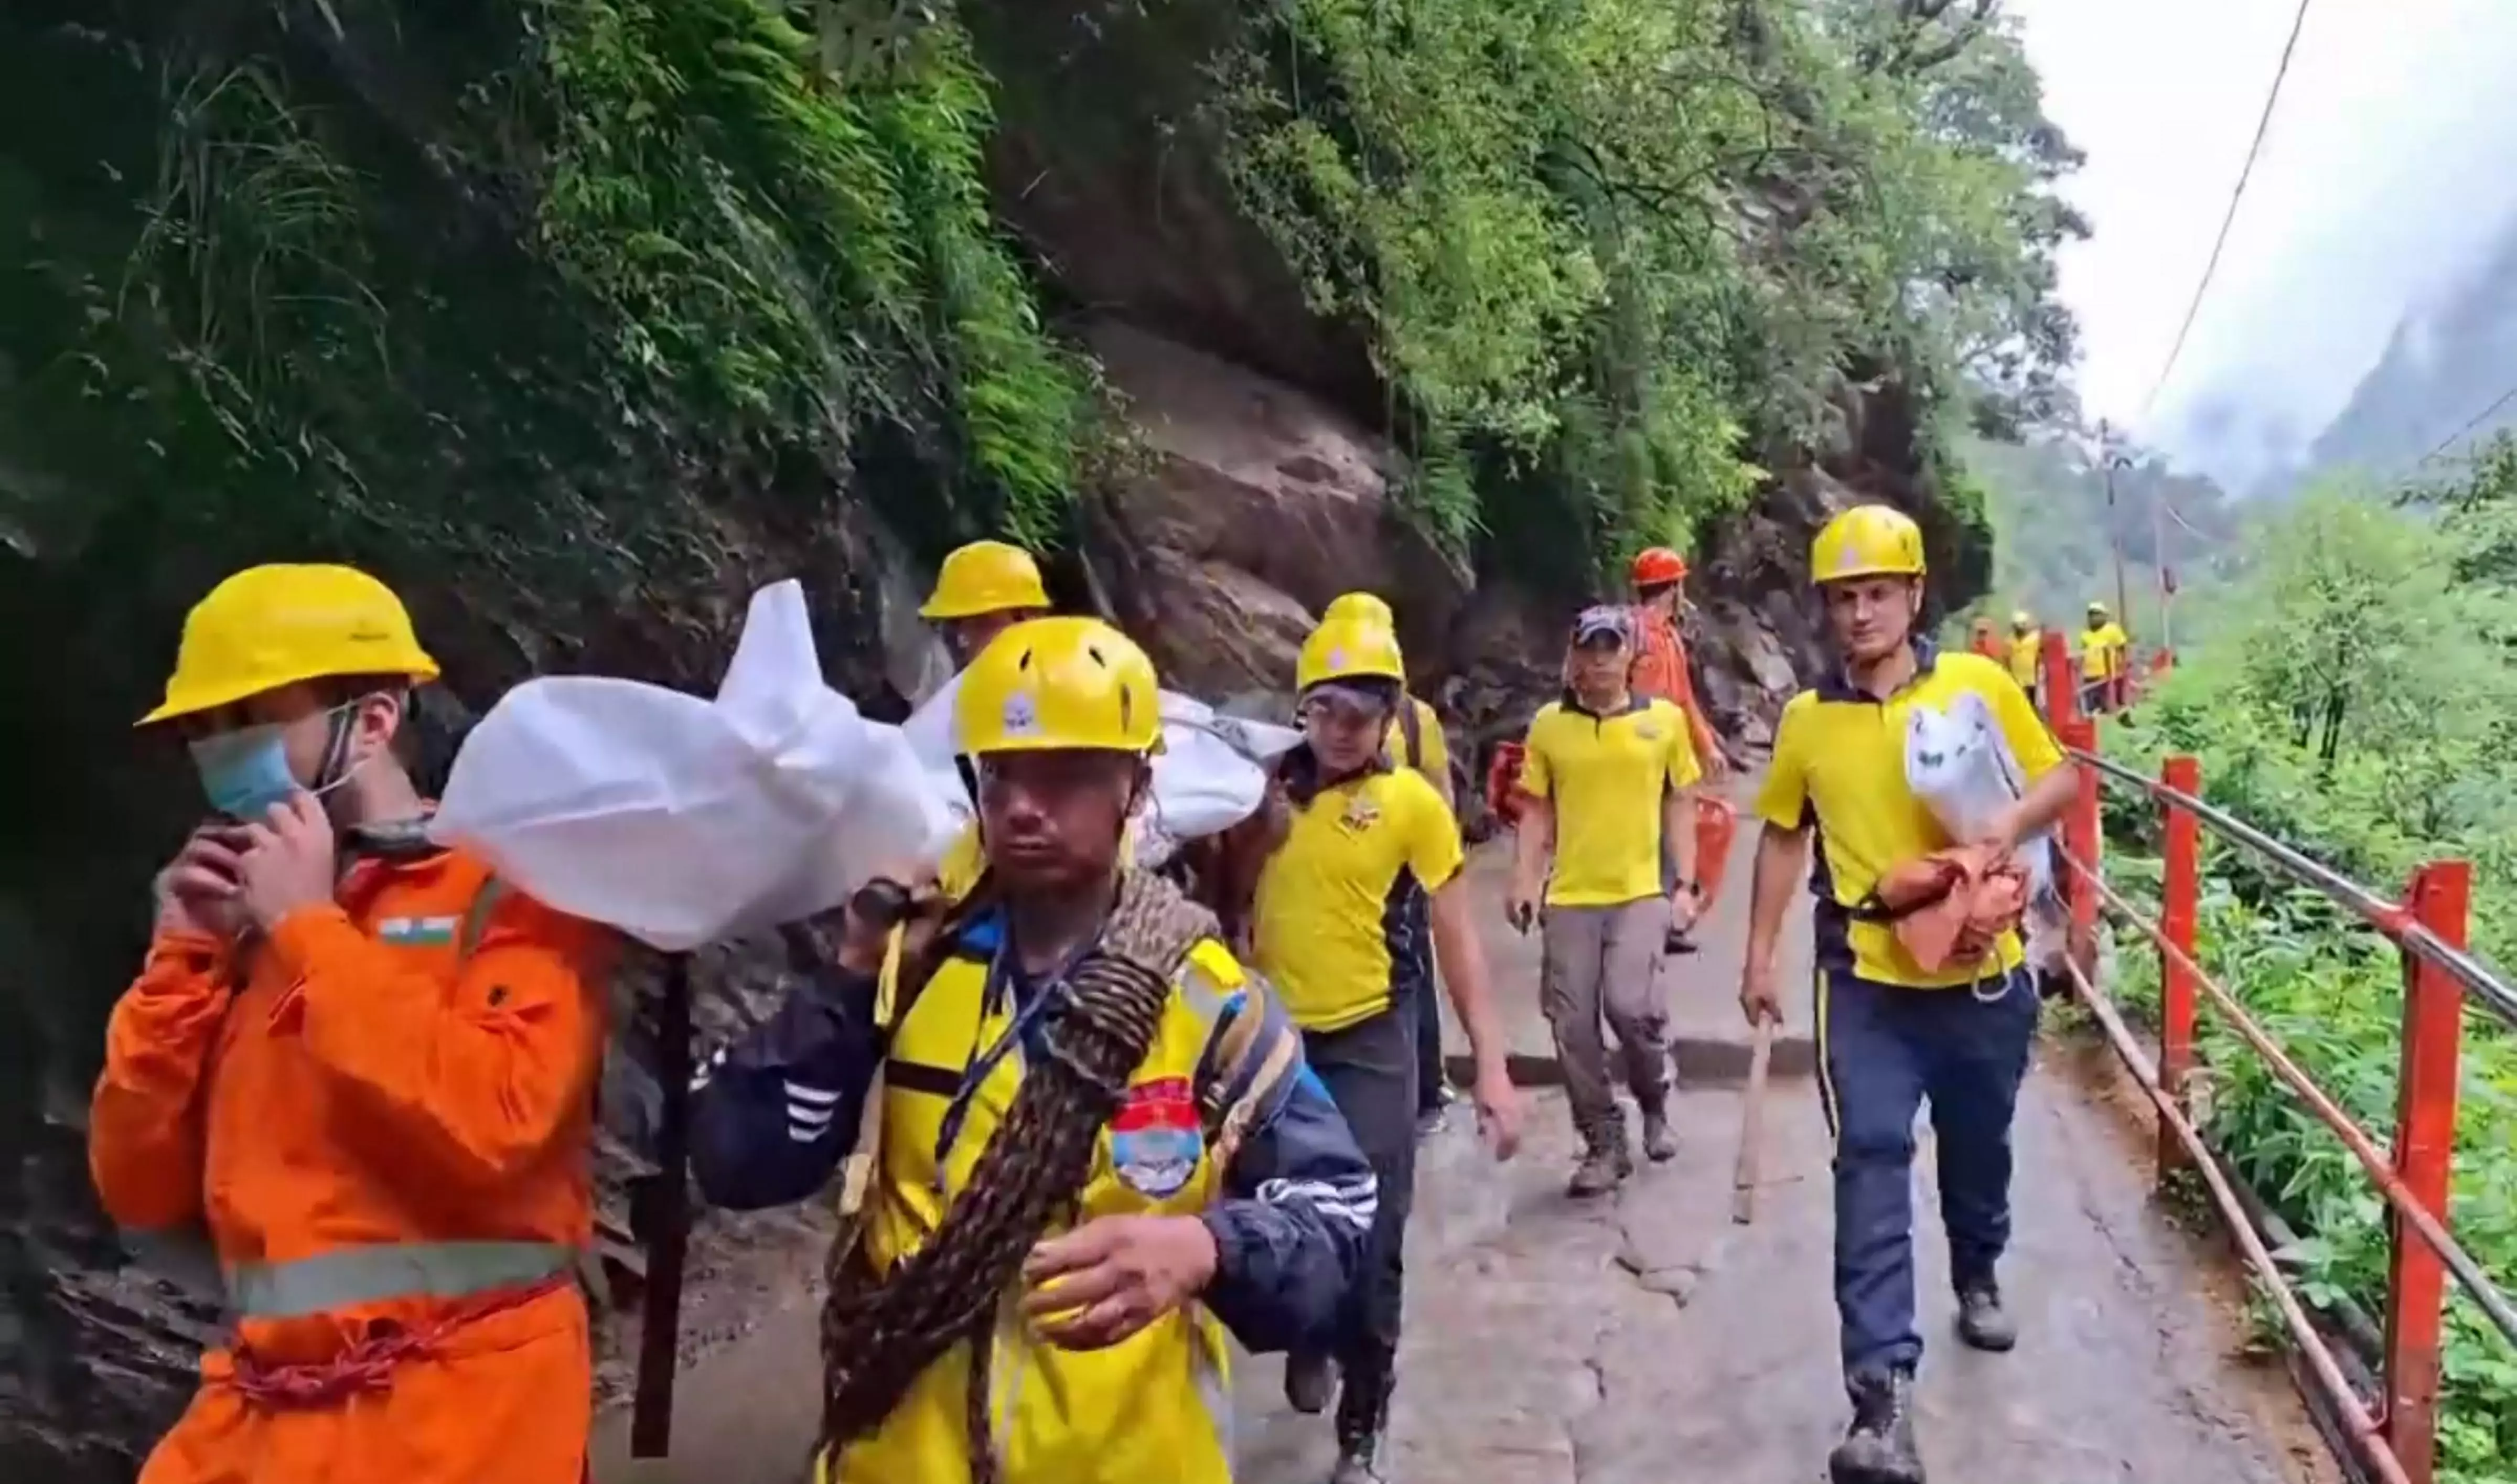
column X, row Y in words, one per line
column 775, row 1116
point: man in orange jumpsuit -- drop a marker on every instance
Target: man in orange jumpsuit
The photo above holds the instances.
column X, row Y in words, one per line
column 367, row 1069
column 1660, row 673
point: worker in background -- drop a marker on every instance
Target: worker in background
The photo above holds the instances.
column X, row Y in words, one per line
column 367, row 1069
column 1987, row 642
column 1416, row 741
column 1891, row 1035
column 1611, row 777
column 2026, row 655
column 1336, row 912
column 1661, row 672
column 2105, row 649
column 982, row 589
column 1095, row 1143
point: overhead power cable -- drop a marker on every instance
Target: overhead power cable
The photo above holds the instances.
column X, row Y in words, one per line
column 2470, row 423
column 2263, row 124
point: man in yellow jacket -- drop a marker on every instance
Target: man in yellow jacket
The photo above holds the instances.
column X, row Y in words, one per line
column 2105, row 653
column 1370, row 863
column 1096, row 1147
column 1893, row 1035
column 1415, row 741
column 2027, row 654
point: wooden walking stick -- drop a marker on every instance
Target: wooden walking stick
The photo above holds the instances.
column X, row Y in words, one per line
column 1752, row 1111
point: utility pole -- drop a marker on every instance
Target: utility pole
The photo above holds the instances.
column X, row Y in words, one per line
column 2166, row 579
column 2108, row 458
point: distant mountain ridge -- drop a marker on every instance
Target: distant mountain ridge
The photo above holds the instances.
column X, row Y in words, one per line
column 2449, row 358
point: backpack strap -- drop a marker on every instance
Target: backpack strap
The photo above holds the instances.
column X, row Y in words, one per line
column 1411, row 729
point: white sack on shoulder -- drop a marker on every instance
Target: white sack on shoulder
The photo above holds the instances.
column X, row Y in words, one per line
column 680, row 821
column 1961, row 767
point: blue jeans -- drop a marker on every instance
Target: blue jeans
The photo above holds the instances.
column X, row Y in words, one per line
column 1884, row 1051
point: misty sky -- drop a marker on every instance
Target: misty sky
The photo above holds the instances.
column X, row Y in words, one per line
column 2387, row 172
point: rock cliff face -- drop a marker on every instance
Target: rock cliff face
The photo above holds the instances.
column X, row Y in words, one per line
column 1259, row 485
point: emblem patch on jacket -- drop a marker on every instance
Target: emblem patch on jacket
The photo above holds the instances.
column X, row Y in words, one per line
column 1155, row 1138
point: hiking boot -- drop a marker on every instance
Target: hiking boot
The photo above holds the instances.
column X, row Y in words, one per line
column 1605, row 1159
column 1362, row 1419
column 1436, row 1112
column 1982, row 1323
column 1309, row 1381
column 1676, row 942
column 1879, row 1447
column 1357, row 1464
column 1660, row 1141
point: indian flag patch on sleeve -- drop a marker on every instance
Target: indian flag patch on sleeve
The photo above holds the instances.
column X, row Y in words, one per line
column 417, row 932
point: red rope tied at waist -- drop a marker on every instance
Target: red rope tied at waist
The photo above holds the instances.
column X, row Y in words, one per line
column 367, row 1366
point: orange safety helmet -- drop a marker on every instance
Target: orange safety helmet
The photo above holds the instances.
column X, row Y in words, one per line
column 1659, row 566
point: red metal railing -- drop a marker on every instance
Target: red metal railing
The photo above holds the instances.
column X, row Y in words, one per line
column 2395, row 1436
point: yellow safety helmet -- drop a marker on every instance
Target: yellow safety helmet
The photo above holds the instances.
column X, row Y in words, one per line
column 1052, row 683
column 1364, row 607
column 1349, row 649
column 275, row 625
column 2022, row 619
column 985, row 577
column 1868, row 541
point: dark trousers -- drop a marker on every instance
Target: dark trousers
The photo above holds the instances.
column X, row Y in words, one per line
column 1428, row 1009
column 1369, row 1071
column 1884, row 1051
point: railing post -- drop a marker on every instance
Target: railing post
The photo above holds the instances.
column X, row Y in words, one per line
column 2081, row 840
column 2062, row 698
column 2179, row 912
column 2424, row 1156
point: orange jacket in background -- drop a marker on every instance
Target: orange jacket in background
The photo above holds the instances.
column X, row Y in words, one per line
column 1660, row 672
column 390, row 1141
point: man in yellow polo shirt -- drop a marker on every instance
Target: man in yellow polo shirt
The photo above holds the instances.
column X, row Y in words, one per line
column 1610, row 775
column 1892, row 1035
column 2105, row 648
column 2026, row 654
column 1333, row 926
column 1415, row 741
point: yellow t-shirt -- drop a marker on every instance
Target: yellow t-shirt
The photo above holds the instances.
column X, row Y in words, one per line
column 2102, row 651
column 1605, row 777
column 1839, row 764
column 2026, row 656
column 1433, row 749
column 1329, row 927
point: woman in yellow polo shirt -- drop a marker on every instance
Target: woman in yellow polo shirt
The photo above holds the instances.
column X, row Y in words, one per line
column 1611, row 779
column 1891, row 1035
column 1332, row 929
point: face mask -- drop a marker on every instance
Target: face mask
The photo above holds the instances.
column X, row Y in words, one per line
column 245, row 772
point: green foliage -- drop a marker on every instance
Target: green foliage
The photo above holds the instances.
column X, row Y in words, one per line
column 2056, row 533
column 2352, row 695
column 1610, row 249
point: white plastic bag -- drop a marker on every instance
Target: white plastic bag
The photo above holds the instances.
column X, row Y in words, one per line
column 1961, row 767
column 680, row 821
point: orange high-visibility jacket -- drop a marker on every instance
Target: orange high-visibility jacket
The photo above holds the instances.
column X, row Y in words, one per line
column 387, row 1131
column 1659, row 672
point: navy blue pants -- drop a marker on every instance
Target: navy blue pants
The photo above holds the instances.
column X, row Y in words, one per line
column 1884, row 1051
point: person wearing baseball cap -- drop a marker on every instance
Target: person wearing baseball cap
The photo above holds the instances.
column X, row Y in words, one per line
column 1611, row 779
